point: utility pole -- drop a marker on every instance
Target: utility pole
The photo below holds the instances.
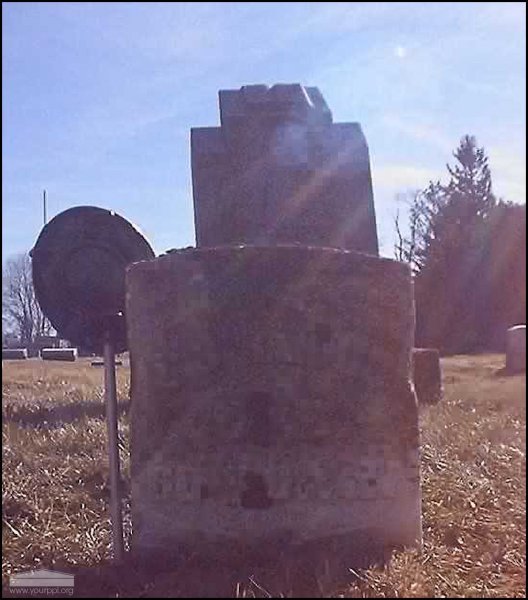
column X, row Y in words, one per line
column 45, row 215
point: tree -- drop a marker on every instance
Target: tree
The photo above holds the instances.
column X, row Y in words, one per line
column 21, row 313
column 405, row 246
column 456, row 247
column 451, row 288
column 422, row 205
column 449, row 215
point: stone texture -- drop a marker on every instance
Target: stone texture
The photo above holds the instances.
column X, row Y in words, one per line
column 516, row 349
column 427, row 375
column 278, row 170
column 271, row 399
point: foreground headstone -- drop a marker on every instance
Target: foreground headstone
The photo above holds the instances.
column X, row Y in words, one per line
column 427, row 375
column 516, row 349
column 271, row 403
column 278, row 170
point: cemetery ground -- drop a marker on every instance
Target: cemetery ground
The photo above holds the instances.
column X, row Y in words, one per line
column 55, row 493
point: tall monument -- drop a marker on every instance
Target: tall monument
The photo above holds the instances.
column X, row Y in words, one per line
column 272, row 406
column 278, row 170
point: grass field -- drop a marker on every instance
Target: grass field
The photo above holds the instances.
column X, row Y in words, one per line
column 55, row 489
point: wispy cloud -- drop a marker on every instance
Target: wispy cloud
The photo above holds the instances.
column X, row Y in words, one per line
column 401, row 177
column 420, row 131
column 154, row 30
column 508, row 169
column 352, row 16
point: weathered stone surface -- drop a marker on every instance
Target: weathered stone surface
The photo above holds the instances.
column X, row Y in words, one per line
column 279, row 171
column 427, row 375
column 516, row 349
column 271, row 399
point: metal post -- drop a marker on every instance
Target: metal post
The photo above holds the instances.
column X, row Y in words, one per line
column 45, row 212
column 113, row 448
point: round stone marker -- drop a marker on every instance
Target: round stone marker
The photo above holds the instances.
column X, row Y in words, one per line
column 79, row 264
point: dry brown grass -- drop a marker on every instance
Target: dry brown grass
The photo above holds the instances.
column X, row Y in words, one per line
column 55, row 475
column 55, row 488
column 474, row 492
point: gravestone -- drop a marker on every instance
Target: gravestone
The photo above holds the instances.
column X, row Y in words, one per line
column 278, row 170
column 427, row 375
column 272, row 405
column 63, row 354
column 516, row 349
column 14, row 353
column 271, row 398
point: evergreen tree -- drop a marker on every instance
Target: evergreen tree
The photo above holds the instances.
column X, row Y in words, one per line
column 451, row 253
column 469, row 190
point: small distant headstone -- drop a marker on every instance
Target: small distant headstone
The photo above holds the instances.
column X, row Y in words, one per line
column 427, row 376
column 66, row 354
column 14, row 353
column 100, row 363
column 516, row 349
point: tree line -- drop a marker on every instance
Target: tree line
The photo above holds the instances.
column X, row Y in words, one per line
column 467, row 251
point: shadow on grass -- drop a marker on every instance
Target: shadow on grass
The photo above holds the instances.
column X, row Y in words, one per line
column 306, row 573
column 50, row 417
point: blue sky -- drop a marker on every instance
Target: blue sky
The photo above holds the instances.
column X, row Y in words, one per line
column 98, row 98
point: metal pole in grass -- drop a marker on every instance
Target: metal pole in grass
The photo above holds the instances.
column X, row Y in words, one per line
column 113, row 447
